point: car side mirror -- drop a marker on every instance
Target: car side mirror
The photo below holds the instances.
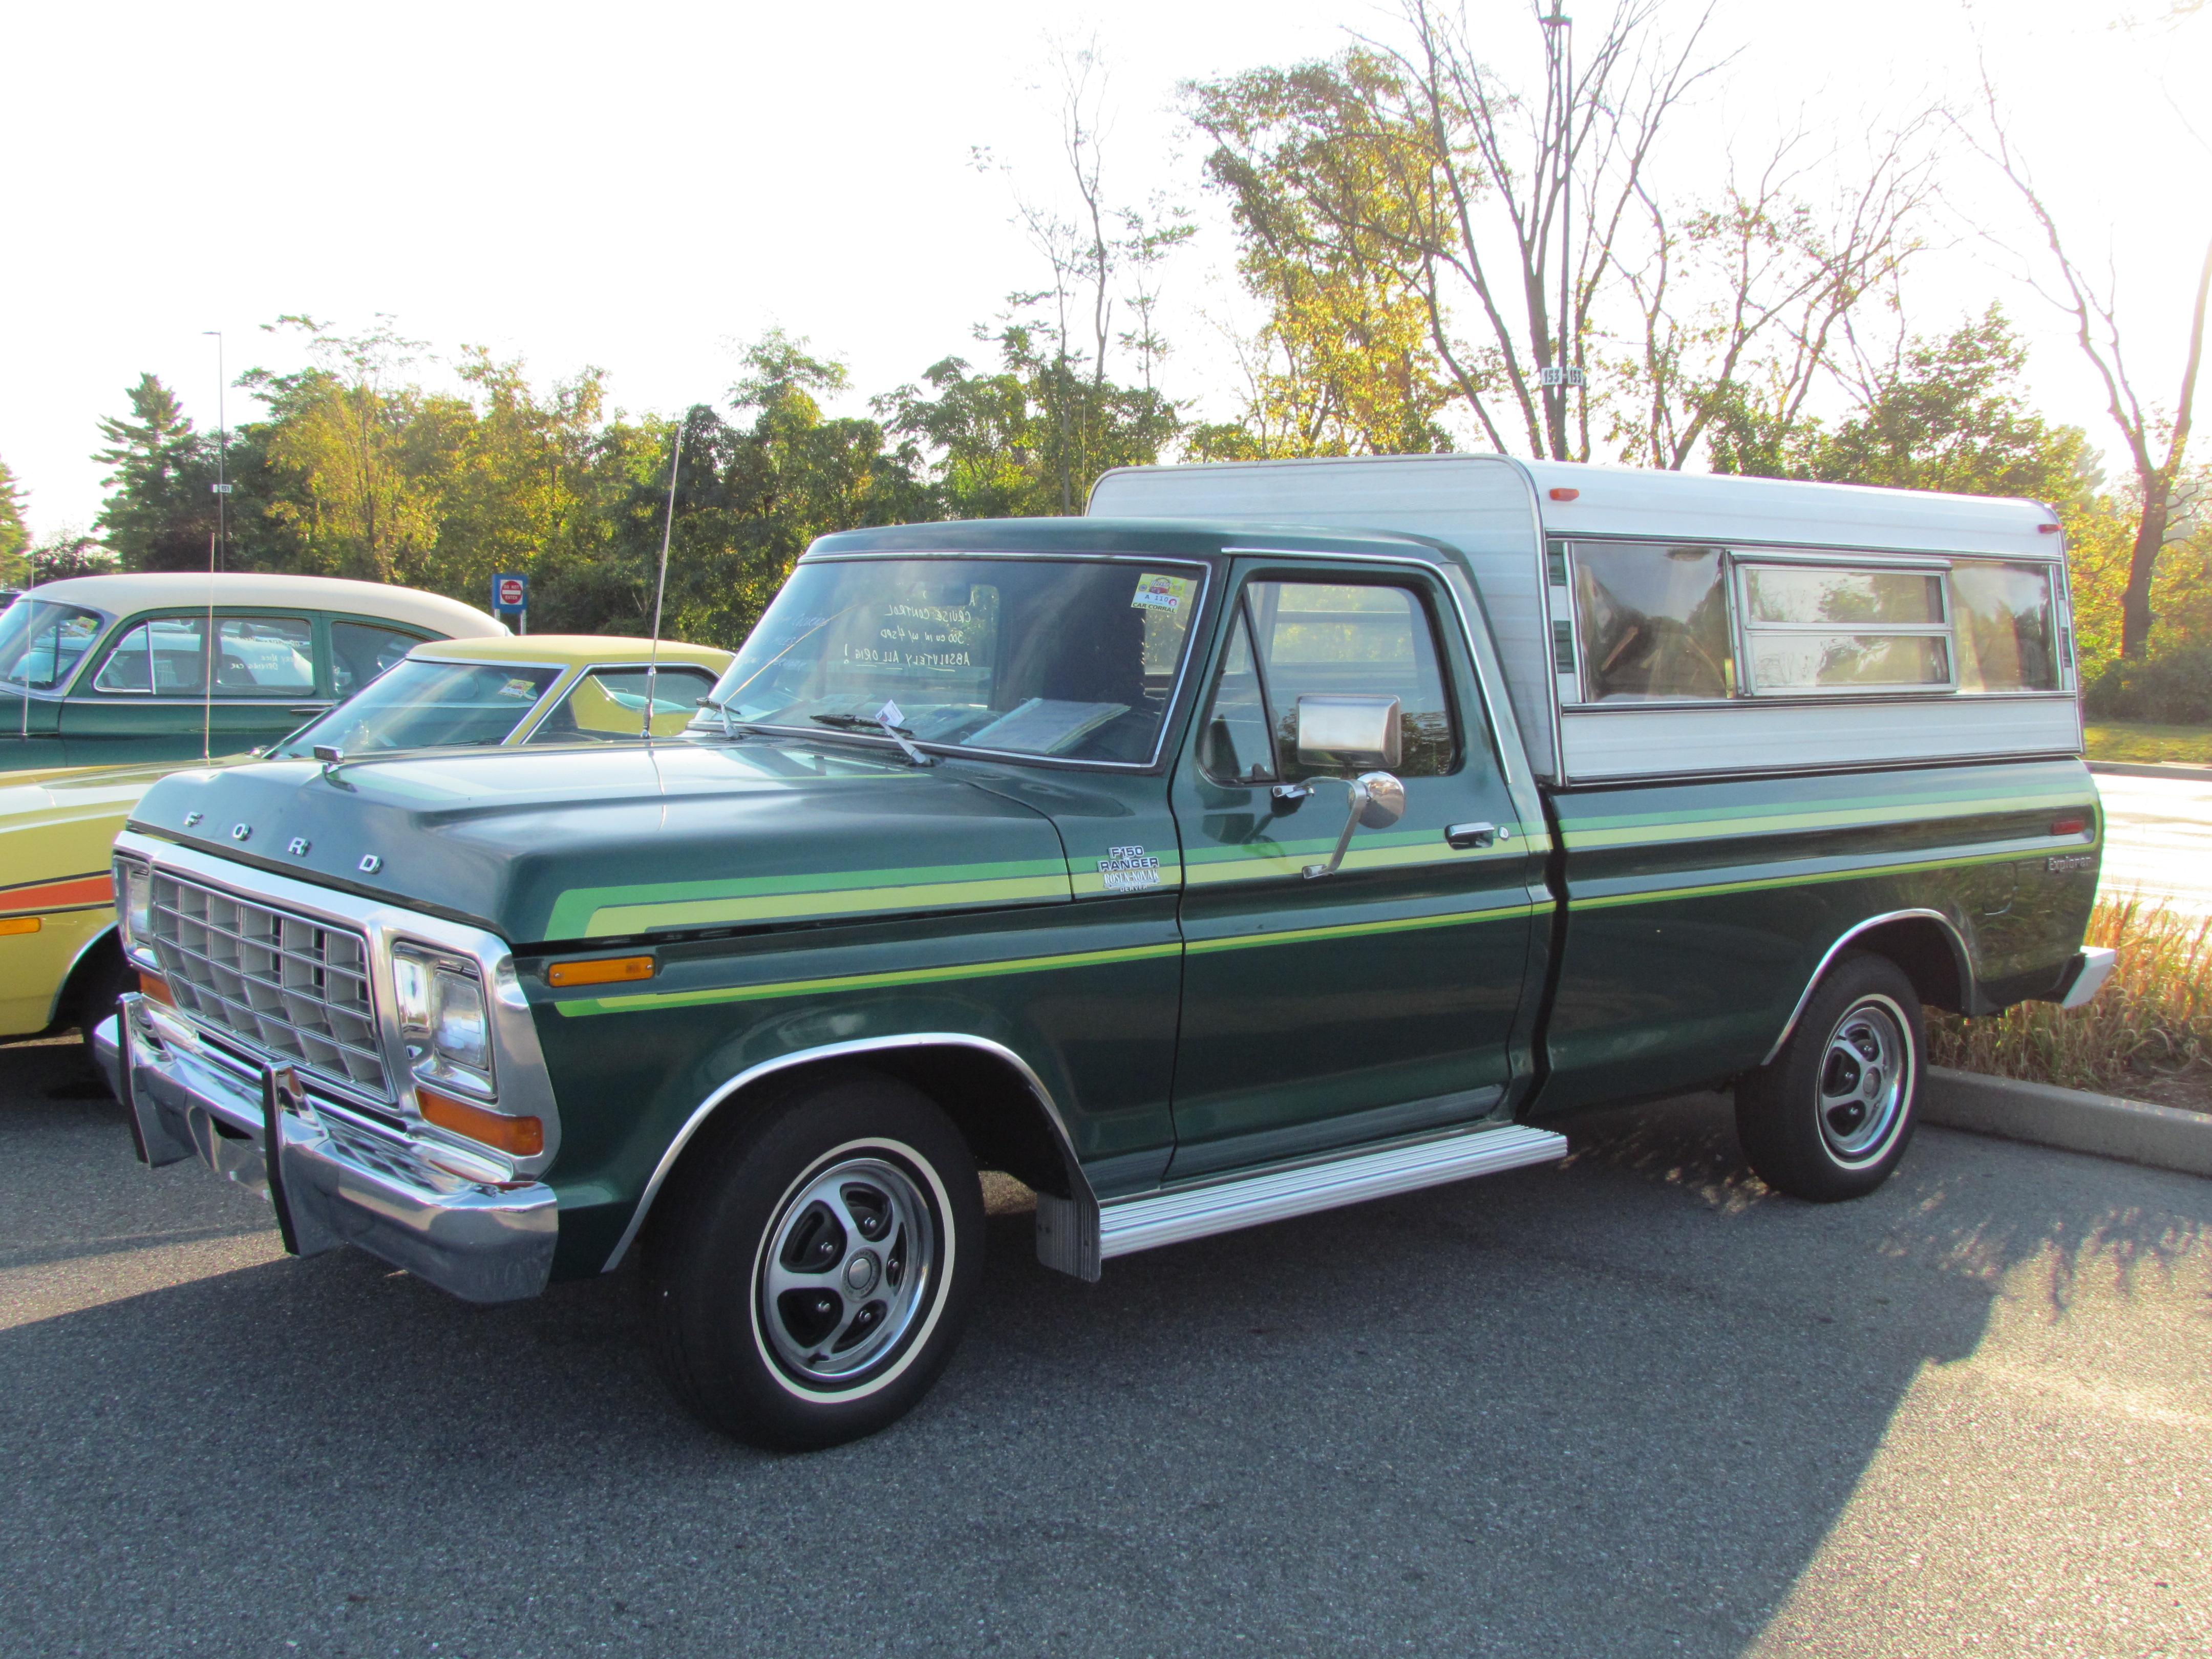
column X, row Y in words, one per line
column 1347, row 732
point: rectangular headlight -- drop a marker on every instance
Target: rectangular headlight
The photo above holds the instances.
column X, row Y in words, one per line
column 458, row 1030
column 443, row 1019
column 134, row 907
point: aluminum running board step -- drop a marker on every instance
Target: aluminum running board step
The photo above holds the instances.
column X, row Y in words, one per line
column 1126, row 1225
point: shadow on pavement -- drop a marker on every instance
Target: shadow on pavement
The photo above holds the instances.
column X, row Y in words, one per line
column 1612, row 1408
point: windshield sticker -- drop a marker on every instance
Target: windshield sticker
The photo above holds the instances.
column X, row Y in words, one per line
column 1161, row 592
column 525, row 690
column 1126, row 869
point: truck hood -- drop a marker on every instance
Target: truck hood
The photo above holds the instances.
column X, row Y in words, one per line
column 558, row 845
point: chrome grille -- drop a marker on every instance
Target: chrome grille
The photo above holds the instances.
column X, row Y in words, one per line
column 293, row 987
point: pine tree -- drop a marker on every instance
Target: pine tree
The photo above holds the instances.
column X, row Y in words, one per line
column 15, row 534
column 161, row 512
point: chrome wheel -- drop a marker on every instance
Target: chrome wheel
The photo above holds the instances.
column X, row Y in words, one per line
column 1866, row 1078
column 849, row 1265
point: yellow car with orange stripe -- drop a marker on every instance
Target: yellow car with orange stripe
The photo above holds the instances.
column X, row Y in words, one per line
column 59, row 965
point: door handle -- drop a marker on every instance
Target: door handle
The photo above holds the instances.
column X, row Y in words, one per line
column 311, row 708
column 1464, row 836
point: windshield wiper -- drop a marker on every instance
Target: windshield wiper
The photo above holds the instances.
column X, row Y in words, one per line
column 723, row 710
column 898, row 734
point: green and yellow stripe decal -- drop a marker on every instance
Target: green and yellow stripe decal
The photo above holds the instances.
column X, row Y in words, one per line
column 1263, row 861
column 1905, row 865
column 590, row 912
column 1702, row 824
column 651, row 1001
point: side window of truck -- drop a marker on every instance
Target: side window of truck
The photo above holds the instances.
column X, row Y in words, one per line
column 1659, row 624
column 1288, row 639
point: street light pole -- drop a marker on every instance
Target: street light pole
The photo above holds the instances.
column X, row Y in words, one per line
column 1559, row 52
column 221, row 457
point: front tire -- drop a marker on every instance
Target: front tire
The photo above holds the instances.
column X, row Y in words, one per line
column 808, row 1277
column 1830, row 1118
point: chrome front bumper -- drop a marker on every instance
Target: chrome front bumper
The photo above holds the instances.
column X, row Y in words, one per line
column 337, row 1176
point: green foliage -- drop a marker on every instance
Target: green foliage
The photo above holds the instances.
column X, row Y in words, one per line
column 1027, row 441
column 2174, row 688
column 64, row 553
column 161, row 512
column 15, row 533
column 1328, row 194
column 1949, row 417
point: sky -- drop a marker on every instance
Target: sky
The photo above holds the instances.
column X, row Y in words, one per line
column 645, row 192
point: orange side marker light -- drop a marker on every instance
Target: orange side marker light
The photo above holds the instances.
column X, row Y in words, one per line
column 518, row 1137
column 20, row 925
column 600, row 970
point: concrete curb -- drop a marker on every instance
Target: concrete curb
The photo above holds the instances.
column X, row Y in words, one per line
column 2182, row 769
column 2073, row 1119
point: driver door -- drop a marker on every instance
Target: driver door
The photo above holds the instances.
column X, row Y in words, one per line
column 1381, row 998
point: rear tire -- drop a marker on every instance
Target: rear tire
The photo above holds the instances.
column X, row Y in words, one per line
column 811, row 1273
column 1832, row 1116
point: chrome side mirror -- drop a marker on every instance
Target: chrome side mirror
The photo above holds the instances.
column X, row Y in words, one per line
column 1347, row 732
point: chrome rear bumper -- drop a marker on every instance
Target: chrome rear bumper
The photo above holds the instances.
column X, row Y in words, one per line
column 2094, row 967
column 337, row 1178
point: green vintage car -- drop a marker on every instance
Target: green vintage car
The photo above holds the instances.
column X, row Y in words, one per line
column 1274, row 837
column 112, row 671
column 59, row 961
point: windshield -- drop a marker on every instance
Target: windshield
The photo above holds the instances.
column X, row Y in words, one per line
column 1064, row 657
column 428, row 705
column 41, row 641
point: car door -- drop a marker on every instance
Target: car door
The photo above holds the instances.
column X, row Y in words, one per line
column 1379, row 1000
column 148, row 698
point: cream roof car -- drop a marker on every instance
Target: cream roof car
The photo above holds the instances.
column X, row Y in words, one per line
column 568, row 650
column 140, row 591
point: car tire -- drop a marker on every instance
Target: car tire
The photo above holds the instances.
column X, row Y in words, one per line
column 1830, row 1116
column 809, row 1276
column 104, row 978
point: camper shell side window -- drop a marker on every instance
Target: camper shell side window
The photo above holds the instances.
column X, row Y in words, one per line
column 1658, row 622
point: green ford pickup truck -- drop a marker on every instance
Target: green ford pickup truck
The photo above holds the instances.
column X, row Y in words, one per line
column 1273, row 837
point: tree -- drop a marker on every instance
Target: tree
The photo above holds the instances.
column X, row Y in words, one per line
column 1408, row 167
column 1949, row 417
column 1056, row 404
column 161, row 514
column 15, row 532
column 2156, row 438
column 359, row 456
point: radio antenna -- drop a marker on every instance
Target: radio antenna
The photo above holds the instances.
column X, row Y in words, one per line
column 660, row 581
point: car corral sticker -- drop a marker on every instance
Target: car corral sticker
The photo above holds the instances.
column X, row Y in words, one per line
column 1128, row 869
column 1156, row 593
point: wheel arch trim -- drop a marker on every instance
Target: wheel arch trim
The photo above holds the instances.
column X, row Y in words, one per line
column 727, row 1090
column 1961, row 960
column 63, row 987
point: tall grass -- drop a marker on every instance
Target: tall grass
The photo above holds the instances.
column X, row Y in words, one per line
column 2153, row 1018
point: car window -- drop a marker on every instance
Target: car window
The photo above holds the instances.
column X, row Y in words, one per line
column 608, row 705
column 1293, row 639
column 362, row 651
column 264, row 657
column 159, row 657
column 423, row 704
column 1074, row 658
column 41, row 641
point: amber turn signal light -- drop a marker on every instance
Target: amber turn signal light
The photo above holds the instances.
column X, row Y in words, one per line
column 154, row 986
column 600, row 970
column 20, row 925
column 518, row 1137
column 1565, row 494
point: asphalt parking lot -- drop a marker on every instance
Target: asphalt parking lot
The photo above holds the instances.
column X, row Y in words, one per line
column 1633, row 1405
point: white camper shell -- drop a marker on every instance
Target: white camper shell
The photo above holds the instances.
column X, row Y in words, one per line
column 1671, row 625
